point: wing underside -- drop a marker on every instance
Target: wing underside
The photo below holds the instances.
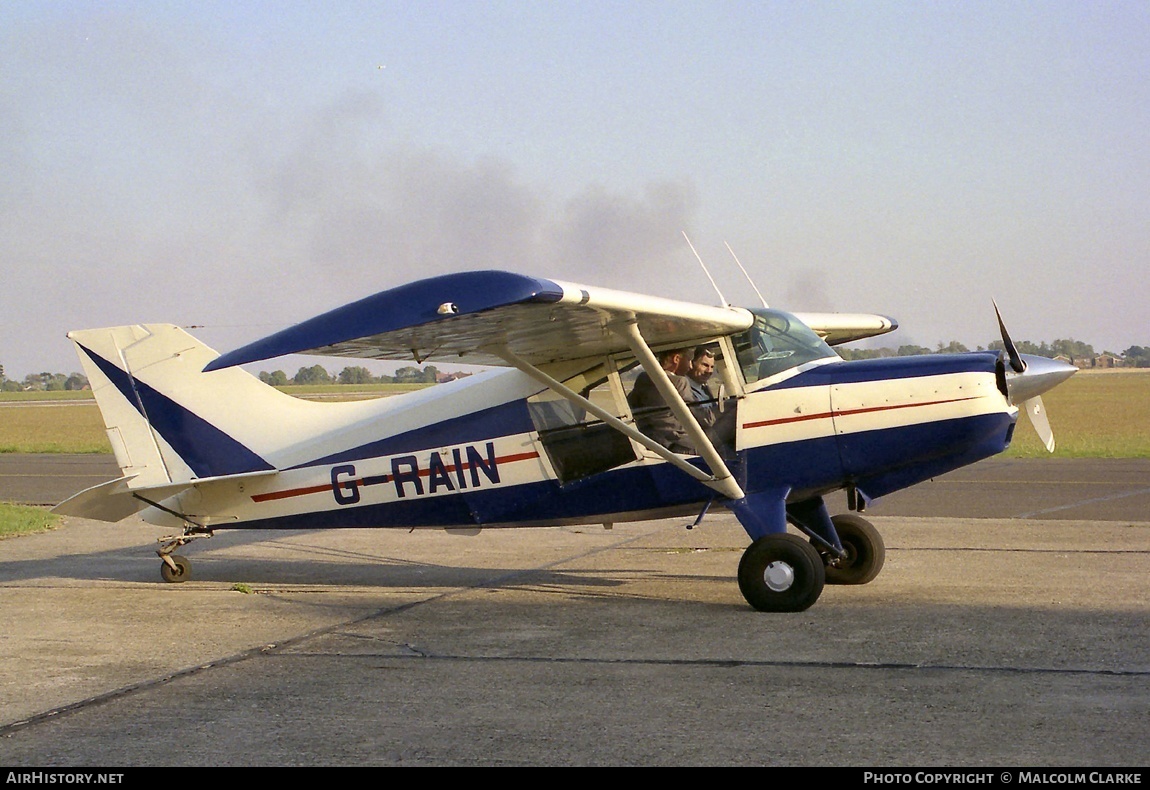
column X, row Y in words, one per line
column 460, row 317
column 463, row 317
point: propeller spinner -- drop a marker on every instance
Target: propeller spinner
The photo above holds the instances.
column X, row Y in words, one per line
column 1027, row 377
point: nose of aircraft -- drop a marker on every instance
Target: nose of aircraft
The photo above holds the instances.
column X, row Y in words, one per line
column 1039, row 375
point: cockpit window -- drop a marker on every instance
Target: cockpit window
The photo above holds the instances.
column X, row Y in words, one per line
column 777, row 341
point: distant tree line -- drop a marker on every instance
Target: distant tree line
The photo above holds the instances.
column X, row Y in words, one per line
column 1133, row 357
column 318, row 374
column 33, row 382
column 1137, row 357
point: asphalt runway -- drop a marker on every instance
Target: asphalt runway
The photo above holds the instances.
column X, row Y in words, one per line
column 1008, row 628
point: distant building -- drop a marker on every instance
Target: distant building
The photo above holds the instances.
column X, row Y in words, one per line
column 443, row 378
column 1098, row 361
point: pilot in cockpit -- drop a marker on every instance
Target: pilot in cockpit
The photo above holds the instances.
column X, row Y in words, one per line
column 652, row 415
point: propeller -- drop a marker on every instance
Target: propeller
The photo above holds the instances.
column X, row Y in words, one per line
column 1027, row 378
column 1036, row 410
column 1016, row 362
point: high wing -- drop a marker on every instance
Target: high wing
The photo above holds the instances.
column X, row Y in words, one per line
column 838, row 328
column 500, row 318
column 460, row 317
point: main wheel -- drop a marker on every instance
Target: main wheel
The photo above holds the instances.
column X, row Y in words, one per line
column 781, row 573
column 182, row 573
column 865, row 550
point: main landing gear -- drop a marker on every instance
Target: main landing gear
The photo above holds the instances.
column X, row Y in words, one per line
column 781, row 572
column 864, row 549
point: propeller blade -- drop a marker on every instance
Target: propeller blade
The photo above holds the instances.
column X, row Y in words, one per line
column 1037, row 413
column 1016, row 361
column 1028, row 377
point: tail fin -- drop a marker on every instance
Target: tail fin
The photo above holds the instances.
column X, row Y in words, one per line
column 168, row 422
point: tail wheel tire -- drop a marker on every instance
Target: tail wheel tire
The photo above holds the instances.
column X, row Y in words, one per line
column 781, row 573
column 865, row 551
column 181, row 573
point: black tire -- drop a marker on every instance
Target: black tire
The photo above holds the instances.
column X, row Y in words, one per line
column 182, row 573
column 781, row 573
column 865, row 550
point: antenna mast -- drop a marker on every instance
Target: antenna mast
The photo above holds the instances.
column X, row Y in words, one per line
column 744, row 271
column 722, row 299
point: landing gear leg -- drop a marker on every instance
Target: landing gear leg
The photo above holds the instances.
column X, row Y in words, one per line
column 779, row 572
column 864, row 549
column 850, row 547
column 175, row 568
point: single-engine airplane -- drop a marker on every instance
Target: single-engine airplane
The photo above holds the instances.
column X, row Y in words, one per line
column 547, row 437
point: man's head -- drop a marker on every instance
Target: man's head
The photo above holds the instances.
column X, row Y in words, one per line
column 702, row 365
column 676, row 360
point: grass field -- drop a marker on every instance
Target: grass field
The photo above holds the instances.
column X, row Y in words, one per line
column 323, row 391
column 348, row 391
column 1094, row 415
column 73, row 425
column 35, row 428
column 24, row 397
column 23, row 520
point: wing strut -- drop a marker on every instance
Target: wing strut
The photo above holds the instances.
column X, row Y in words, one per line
column 509, row 356
column 724, row 481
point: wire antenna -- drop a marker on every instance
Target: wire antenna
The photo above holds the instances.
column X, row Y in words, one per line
column 722, row 299
column 744, row 271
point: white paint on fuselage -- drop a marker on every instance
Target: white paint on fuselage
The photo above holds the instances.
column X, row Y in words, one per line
column 765, row 417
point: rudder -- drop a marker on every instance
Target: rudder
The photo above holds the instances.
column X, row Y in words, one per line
column 167, row 421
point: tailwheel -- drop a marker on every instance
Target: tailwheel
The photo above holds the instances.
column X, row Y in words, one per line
column 781, row 573
column 180, row 570
column 865, row 551
column 175, row 568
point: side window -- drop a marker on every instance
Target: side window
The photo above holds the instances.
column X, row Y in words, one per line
column 577, row 442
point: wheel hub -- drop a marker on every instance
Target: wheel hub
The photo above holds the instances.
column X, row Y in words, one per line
column 850, row 556
column 779, row 576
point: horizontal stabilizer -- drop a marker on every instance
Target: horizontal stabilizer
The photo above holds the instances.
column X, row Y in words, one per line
column 110, row 501
column 115, row 500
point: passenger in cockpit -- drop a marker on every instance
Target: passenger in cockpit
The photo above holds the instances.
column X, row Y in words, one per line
column 703, row 400
column 652, row 415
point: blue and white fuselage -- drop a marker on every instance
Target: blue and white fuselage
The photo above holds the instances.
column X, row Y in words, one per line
column 201, row 442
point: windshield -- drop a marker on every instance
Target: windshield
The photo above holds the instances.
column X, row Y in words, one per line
column 777, row 341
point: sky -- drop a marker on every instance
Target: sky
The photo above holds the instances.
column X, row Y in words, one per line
column 238, row 167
